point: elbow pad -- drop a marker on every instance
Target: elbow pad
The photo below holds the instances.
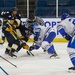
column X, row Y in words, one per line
column 64, row 34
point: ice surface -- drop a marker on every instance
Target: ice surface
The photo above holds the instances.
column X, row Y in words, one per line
column 40, row 64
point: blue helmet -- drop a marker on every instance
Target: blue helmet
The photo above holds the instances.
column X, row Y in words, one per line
column 64, row 16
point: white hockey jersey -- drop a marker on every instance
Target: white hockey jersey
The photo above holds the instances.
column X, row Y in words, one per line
column 44, row 32
column 68, row 25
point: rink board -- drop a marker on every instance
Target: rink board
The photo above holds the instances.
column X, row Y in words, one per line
column 53, row 22
column 55, row 40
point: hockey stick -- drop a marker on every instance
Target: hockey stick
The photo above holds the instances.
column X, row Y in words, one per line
column 29, row 52
column 4, row 70
column 22, row 42
column 8, row 61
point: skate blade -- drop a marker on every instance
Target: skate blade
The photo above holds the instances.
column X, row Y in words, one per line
column 7, row 55
column 71, row 71
column 57, row 57
column 14, row 57
column 28, row 53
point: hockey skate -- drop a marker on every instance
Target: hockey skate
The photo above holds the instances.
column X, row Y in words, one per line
column 55, row 56
column 7, row 51
column 11, row 53
column 71, row 69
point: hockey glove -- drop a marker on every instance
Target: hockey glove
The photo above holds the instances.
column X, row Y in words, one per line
column 31, row 48
column 25, row 46
column 9, row 29
column 35, row 38
column 64, row 34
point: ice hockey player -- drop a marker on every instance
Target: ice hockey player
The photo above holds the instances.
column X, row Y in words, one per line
column 11, row 20
column 24, row 35
column 67, row 29
column 43, row 37
column 34, row 20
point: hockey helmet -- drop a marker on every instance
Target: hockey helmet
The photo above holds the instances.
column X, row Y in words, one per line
column 31, row 16
column 64, row 16
column 15, row 9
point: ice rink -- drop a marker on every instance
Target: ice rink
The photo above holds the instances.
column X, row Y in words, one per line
column 40, row 64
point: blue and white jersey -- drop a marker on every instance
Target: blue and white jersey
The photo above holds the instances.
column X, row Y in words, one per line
column 42, row 32
column 68, row 25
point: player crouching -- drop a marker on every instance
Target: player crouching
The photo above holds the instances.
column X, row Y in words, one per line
column 12, row 37
column 43, row 37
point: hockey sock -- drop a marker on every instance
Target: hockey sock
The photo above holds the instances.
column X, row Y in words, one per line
column 51, row 50
column 19, row 48
column 73, row 61
column 71, row 52
column 7, row 51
